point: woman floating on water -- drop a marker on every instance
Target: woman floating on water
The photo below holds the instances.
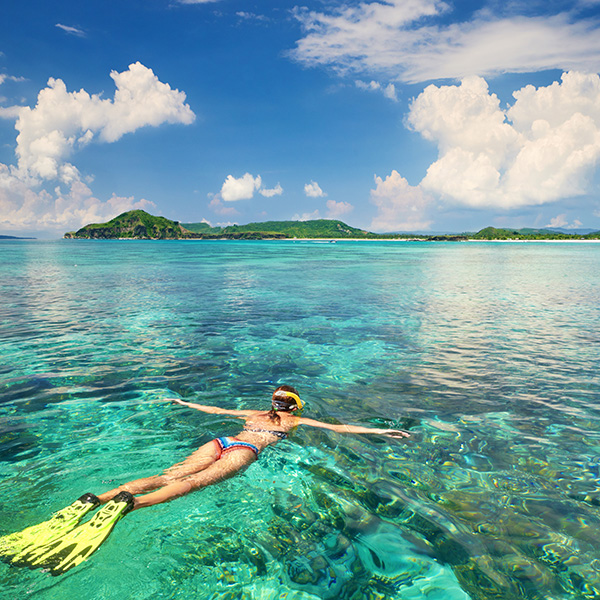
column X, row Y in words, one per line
column 58, row 545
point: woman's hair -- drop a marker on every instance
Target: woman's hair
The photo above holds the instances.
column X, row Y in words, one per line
column 287, row 399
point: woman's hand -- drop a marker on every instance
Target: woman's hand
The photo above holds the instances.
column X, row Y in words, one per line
column 395, row 433
column 177, row 401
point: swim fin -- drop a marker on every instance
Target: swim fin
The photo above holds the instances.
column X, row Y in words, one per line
column 58, row 556
column 60, row 523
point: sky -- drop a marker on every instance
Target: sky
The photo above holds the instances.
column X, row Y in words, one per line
column 398, row 115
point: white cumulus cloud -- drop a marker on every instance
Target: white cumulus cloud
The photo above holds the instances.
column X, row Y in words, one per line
column 63, row 121
column 562, row 222
column 23, row 207
column 269, row 193
column 337, row 209
column 542, row 148
column 405, row 40
column 59, row 124
column 400, row 206
column 242, row 188
column 313, row 190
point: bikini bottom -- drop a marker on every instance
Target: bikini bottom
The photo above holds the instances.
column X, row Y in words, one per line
column 230, row 444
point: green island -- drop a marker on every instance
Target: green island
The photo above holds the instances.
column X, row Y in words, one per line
column 140, row 225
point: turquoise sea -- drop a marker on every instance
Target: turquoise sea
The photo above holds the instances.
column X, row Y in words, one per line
column 487, row 352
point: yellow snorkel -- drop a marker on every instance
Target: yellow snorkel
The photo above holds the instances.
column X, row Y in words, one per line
column 299, row 402
column 284, row 395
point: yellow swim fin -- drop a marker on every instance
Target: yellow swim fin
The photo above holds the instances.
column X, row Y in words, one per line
column 60, row 523
column 74, row 547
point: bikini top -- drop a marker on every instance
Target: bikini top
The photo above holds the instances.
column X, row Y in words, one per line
column 280, row 434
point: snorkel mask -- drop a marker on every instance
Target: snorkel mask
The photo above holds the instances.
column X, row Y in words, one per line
column 281, row 401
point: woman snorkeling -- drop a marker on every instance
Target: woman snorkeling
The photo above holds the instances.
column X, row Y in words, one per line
column 58, row 544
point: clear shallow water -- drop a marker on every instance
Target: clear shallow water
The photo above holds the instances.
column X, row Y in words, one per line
column 487, row 352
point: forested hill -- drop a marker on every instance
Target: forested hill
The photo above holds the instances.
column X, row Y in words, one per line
column 319, row 228
column 134, row 224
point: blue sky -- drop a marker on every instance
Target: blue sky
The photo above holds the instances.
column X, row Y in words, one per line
column 391, row 116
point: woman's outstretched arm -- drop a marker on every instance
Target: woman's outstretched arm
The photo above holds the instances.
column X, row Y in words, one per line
column 395, row 433
column 215, row 410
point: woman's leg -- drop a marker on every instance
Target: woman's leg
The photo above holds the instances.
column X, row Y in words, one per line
column 224, row 468
column 201, row 459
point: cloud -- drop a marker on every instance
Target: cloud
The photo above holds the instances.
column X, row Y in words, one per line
column 240, row 189
column 406, row 40
column 337, row 209
column 217, row 206
column 558, row 221
column 542, row 148
column 4, row 77
column 249, row 16
column 71, row 30
column 312, row 190
column 22, row 207
column 562, row 222
column 63, row 121
column 243, row 188
column 10, row 112
column 400, row 206
column 334, row 209
column 269, row 193
column 307, row 216
column 389, row 91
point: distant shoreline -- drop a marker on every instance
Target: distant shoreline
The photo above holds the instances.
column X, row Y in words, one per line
column 336, row 240
column 401, row 240
column 573, row 241
column 329, row 240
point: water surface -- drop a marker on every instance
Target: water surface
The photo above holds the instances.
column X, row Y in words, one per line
column 487, row 352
